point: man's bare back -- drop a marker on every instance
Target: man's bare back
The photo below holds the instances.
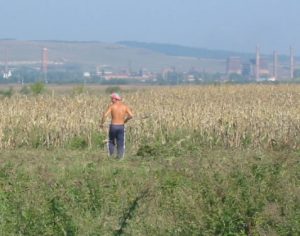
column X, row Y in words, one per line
column 120, row 113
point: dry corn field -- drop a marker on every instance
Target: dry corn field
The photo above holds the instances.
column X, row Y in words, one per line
column 256, row 116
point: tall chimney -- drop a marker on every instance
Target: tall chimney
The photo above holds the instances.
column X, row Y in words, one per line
column 6, row 61
column 275, row 64
column 291, row 63
column 257, row 66
column 45, row 63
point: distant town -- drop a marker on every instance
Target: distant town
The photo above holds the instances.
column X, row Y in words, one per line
column 260, row 68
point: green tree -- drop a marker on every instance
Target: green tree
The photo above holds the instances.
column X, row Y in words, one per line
column 37, row 88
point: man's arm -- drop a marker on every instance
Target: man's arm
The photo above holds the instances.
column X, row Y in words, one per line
column 104, row 116
column 129, row 115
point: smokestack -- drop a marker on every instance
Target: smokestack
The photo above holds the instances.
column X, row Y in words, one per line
column 45, row 63
column 275, row 64
column 6, row 73
column 6, row 61
column 257, row 63
column 291, row 63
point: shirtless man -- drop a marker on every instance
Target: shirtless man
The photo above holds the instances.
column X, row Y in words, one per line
column 120, row 114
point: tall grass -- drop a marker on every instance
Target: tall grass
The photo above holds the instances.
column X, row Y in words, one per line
column 257, row 116
column 213, row 160
column 205, row 193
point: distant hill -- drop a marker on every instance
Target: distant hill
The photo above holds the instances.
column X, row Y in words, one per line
column 122, row 55
column 91, row 54
column 178, row 50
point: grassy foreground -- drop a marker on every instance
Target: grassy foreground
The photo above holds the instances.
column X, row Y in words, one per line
column 202, row 192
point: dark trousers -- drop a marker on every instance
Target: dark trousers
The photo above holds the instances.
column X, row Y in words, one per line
column 116, row 137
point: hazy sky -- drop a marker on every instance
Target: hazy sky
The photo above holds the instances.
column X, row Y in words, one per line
column 237, row 25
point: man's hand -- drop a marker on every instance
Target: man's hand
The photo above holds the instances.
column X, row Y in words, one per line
column 127, row 119
column 102, row 122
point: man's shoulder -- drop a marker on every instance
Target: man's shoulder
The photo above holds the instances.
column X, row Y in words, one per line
column 118, row 105
column 121, row 104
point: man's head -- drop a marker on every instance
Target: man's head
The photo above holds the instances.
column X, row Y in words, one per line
column 115, row 97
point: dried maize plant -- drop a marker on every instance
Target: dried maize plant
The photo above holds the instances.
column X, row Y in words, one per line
column 48, row 121
column 258, row 116
column 231, row 116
